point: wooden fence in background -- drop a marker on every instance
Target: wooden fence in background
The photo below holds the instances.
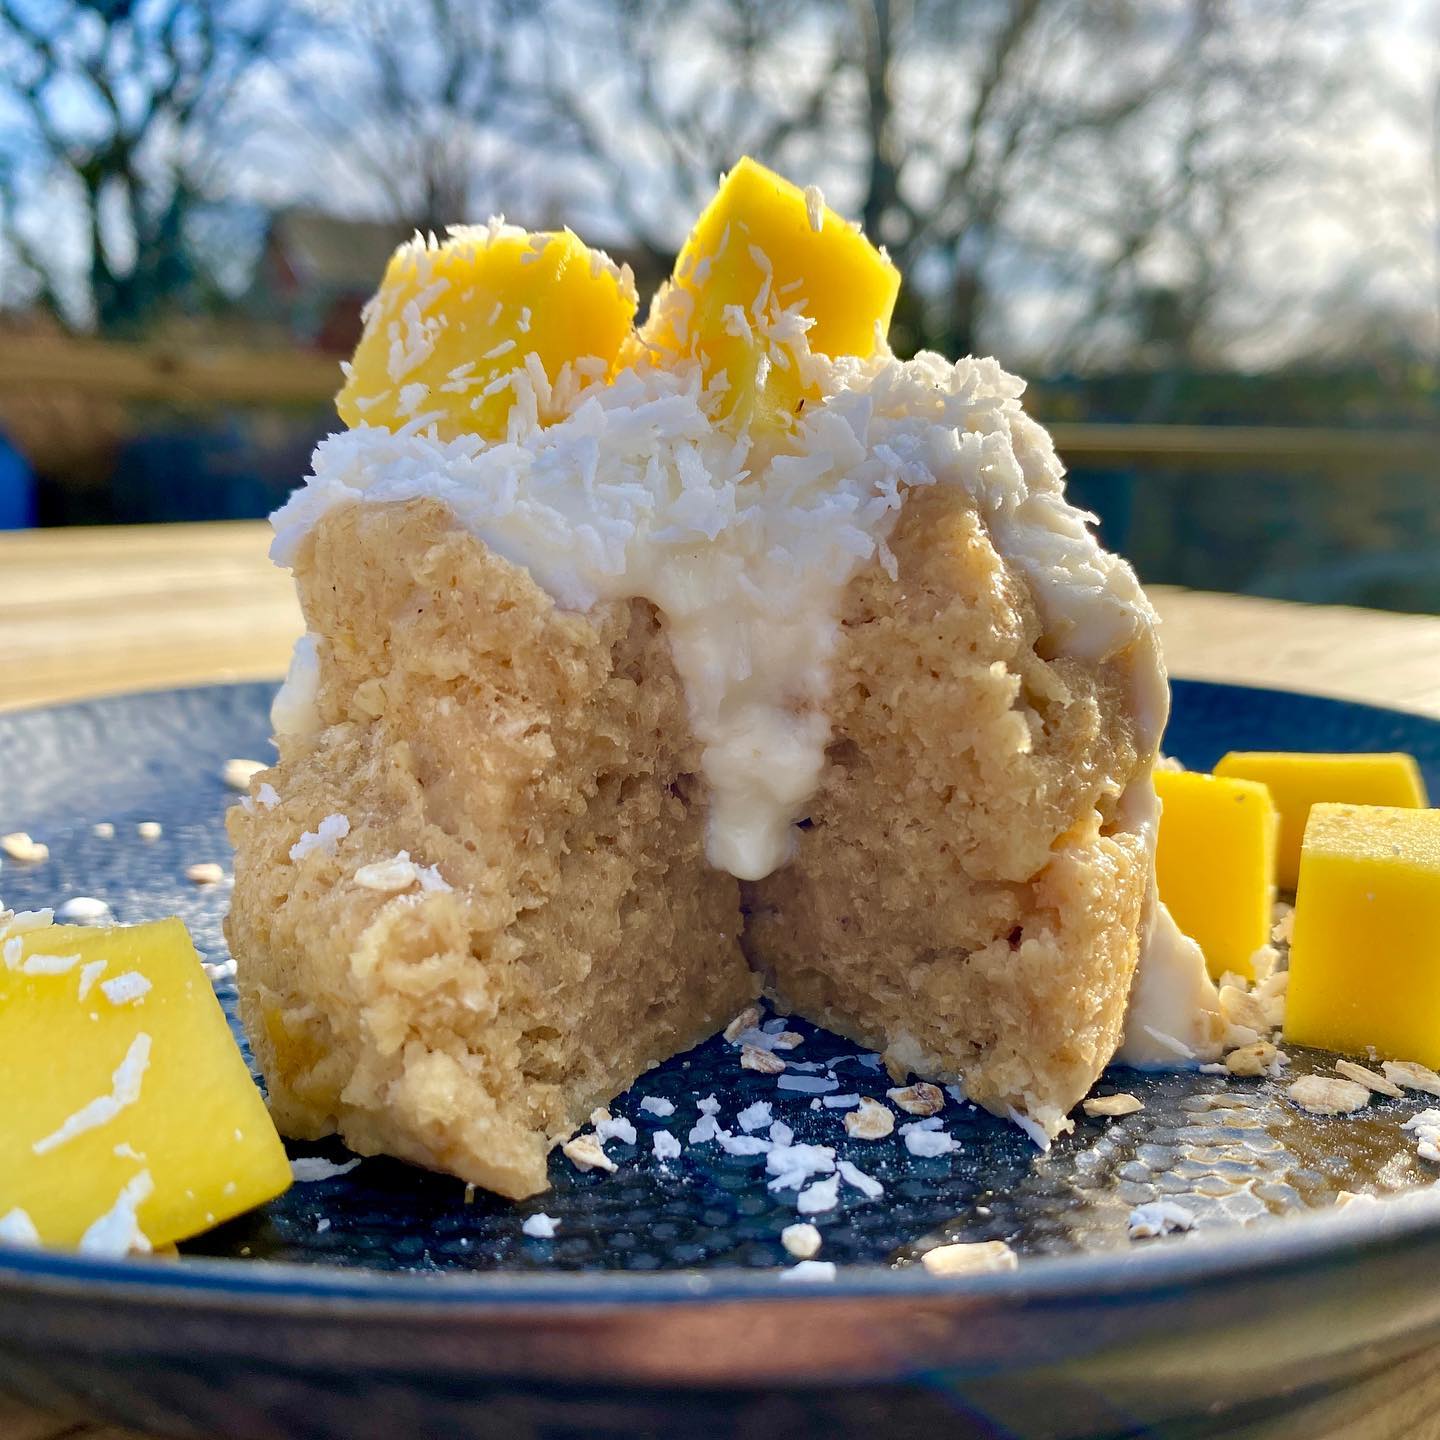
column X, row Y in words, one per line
column 195, row 376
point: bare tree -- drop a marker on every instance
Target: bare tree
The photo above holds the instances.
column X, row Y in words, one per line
column 1102, row 162
column 120, row 112
column 419, row 111
column 656, row 97
column 1253, row 152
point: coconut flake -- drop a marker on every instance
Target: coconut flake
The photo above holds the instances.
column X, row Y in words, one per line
column 1158, row 1217
column 310, row 1168
column 755, row 1117
column 810, row 1272
column 124, row 1091
column 18, row 1229
column 117, row 1232
column 125, row 989
column 821, row 1196
column 326, row 839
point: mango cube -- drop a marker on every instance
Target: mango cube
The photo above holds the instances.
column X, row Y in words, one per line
column 453, row 325
column 1214, row 864
column 763, row 246
column 130, row 1120
column 1365, row 951
column 1298, row 781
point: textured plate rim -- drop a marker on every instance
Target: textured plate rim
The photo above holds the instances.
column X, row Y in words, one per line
column 1265, row 1247
column 1268, row 1247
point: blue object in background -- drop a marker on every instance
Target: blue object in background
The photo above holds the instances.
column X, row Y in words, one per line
column 17, row 489
column 1110, row 496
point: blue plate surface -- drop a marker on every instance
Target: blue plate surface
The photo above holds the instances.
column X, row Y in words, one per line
column 661, row 1294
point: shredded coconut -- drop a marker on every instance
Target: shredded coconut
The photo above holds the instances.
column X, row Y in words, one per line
column 311, row 1168
column 1158, row 1217
column 810, row 1271
column 36, row 964
column 124, row 1091
column 706, row 1129
column 744, row 1144
column 1426, row 1128
column 855, row 1177
column 821, row 1196
column 793, row 1165
column 927, row 1144
column 755, row 1117
column 17, row 1228
column 22, row 922
column 1031, row 1127
column 615, row 1127
column 117, row 1232
column 333, row 829
column 266, row 797
column 89, row 974
column 125, row 989
column 815, row 207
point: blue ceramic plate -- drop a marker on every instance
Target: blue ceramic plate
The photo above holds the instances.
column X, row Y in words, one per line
column 386, row 1303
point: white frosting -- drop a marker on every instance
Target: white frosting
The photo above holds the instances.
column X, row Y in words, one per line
column 294, row 711
column 1172, row 998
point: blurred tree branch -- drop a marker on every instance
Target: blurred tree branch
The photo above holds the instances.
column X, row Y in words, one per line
column 1115, row 153
column 428, row 106
column 123, row 106
column 1075, row 182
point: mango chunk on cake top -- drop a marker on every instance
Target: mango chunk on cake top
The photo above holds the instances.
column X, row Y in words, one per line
column 766, row 264
column 1365, row 952
column 130, row 1119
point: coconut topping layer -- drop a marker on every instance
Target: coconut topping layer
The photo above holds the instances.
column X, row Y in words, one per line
column 636, row 492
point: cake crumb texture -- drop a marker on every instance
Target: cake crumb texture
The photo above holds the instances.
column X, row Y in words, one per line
column 965, row 897
column 541, row 760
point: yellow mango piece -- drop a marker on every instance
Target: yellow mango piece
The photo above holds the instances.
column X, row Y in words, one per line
column 1214, row 864
column 453, row 323
column 1298, row 781
column 124, row 1091
column 761, row 246
column 1365, row 952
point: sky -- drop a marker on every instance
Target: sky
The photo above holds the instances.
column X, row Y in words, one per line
column 1306, row 240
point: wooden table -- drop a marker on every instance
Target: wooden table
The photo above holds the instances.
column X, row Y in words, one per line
column 83, row 612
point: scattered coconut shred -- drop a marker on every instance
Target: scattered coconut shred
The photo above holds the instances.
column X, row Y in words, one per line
column 312, row 1168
